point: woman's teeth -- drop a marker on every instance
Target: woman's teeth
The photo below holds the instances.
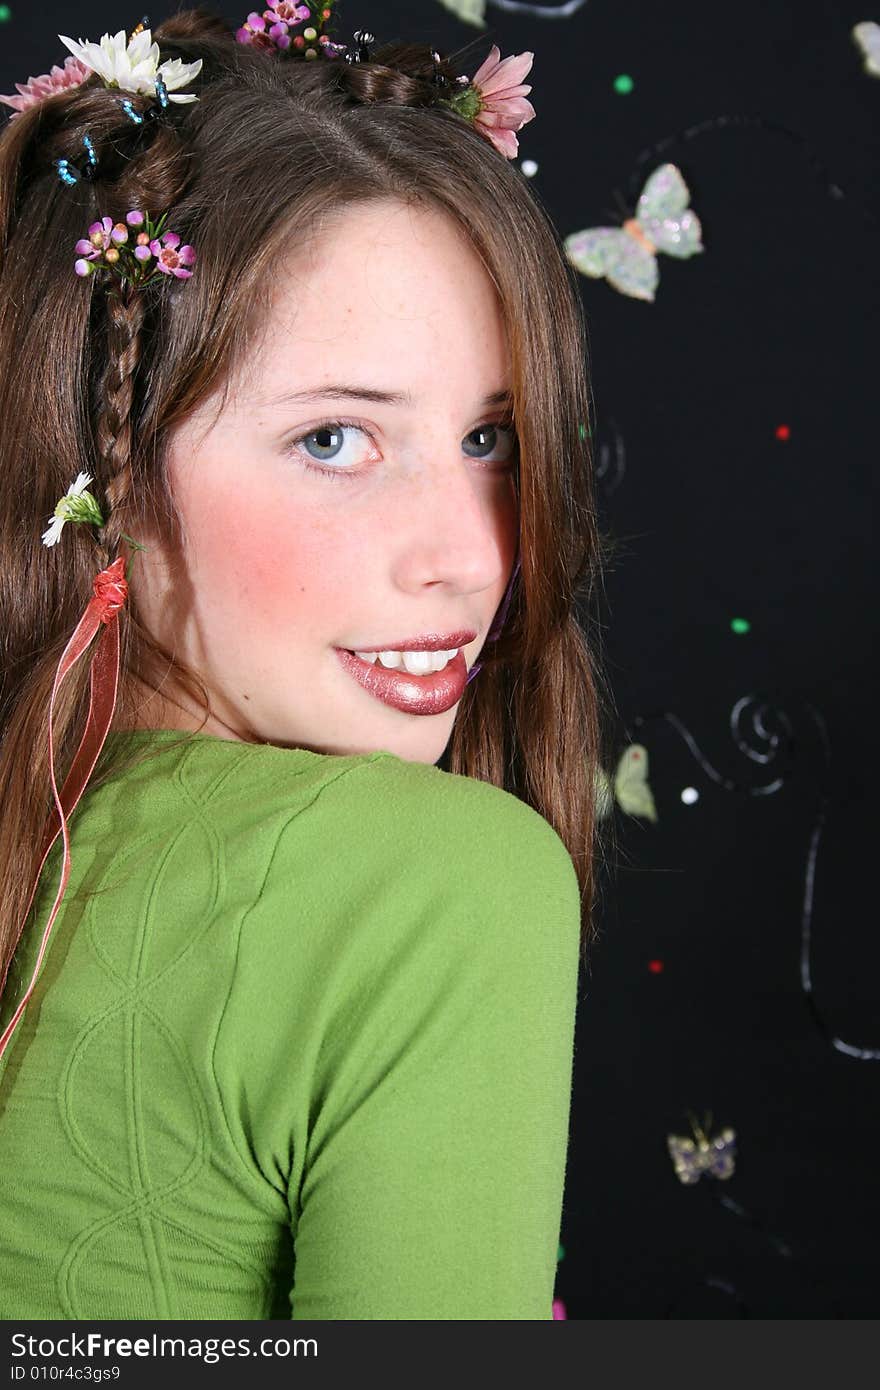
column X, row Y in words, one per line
column 416, row 663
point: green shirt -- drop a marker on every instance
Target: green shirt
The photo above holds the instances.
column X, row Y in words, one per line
column 305, row 1049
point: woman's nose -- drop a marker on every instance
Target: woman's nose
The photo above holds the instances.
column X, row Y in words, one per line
column 460, row 522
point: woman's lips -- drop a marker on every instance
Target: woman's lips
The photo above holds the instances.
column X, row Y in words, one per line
column 433, row 693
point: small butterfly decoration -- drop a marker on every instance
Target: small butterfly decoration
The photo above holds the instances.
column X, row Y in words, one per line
column 629, row 787
column 714, row 1157
column 867, row 37
column 626, row 256
column 470, row 11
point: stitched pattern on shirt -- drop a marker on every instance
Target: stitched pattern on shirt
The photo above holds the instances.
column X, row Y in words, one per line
column 132, row 1014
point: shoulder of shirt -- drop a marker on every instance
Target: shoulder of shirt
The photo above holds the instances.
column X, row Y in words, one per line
column 220, row 776
column 431, row 799
column 417, row 799
column 449, row 833
column 374, row 810
column 387, row 860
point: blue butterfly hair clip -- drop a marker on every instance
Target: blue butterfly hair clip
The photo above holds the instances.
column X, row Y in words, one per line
column 69, row 173
column 154, row 111
column 627, row 256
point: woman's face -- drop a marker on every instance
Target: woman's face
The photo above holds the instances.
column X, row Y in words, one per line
column 412, row 531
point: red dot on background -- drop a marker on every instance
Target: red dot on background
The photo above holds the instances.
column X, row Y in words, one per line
column 655, row 966
column 783, row 432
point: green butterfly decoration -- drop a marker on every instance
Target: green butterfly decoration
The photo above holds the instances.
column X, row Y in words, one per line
column 626, row 256
column 629, row 787
column 471, row 11
column 867, row 38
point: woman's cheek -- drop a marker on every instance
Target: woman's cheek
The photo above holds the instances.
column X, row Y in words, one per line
column 266, row 566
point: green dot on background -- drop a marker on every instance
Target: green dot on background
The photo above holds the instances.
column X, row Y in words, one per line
column 5, row 14
column 623, row 84
column 740, row 625
column 560, row 1252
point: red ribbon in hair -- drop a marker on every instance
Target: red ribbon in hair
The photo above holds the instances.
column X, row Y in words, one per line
column 110, row 593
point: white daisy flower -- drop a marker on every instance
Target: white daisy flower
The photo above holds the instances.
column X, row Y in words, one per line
column 134, row 65
column 75, row 505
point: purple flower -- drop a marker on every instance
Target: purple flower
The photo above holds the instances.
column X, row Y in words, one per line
column 288, row 12
column 279, row 36
column 254, row 31
column 103, row 236
column 284, row 13
column 99, row 233
column 92, row 248
column 171, row 257
column 127, row 249
column 271, row 28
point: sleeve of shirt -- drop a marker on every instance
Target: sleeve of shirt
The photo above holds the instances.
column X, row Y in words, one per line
column 437, row 1039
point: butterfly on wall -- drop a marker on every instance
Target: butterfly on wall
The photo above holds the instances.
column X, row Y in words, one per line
column 470, row 11
column 626, row 256
column 694, row 1157
column 629, row 787
column 867, row 38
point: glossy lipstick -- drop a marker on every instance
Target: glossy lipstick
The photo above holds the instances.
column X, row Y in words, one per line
column 427, row 642
column 433, row 693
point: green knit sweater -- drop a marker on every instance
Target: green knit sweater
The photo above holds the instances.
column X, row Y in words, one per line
column 301, row 1046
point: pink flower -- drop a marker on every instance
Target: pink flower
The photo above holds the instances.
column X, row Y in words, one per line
column 503, row 105
column 289, row 13
column 270, row 29
column 99, row 237
column 279, row 35
column 283, row 14
column 36, row 89
column 171, row 257
column 254, row 31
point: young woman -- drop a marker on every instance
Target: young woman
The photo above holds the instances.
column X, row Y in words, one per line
column 301, row 1044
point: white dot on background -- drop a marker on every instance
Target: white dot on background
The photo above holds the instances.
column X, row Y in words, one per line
column 529, row 167
column 690, row 795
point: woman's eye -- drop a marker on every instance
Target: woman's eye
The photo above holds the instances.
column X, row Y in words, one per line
column 494, row 437
column 332, row 443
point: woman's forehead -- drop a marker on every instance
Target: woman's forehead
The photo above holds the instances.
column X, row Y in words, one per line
column 382, row 294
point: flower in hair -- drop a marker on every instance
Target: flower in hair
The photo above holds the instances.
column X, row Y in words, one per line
column 171, row 257
column 36, row 89
column 100, row 234
column 75, row 505
column 272, row 27
column 137, row 250
column 495, row 102
column 133, row 64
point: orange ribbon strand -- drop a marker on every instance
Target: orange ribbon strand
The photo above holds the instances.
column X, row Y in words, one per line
column 110, row 592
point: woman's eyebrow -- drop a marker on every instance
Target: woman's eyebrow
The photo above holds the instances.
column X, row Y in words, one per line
column 367, row 393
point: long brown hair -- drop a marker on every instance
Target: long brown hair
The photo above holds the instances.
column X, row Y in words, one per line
column 94, row 383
